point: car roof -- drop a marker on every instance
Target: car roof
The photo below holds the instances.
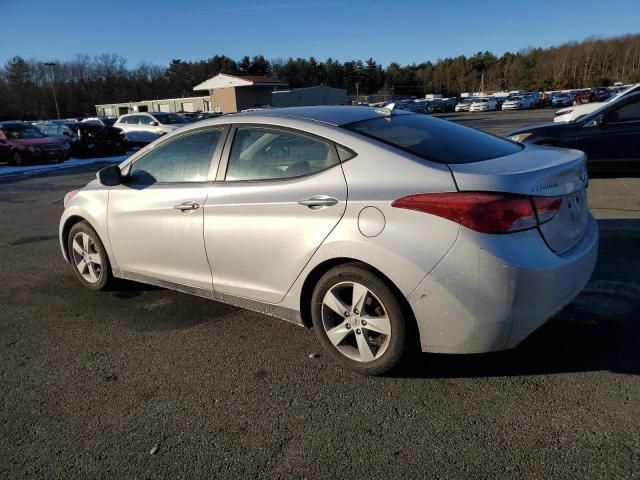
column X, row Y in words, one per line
column 332, row 115
column 15, row 123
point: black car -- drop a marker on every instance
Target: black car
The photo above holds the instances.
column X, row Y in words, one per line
column 88, row 139
column 609, row 136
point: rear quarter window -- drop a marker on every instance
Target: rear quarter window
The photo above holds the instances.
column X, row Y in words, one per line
column 434, row 139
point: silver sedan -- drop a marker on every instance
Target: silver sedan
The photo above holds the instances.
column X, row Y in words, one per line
column 382, row 229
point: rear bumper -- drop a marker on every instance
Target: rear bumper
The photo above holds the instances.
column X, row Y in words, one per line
column 492, row 291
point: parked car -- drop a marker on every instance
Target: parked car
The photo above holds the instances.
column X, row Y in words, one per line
column 144, row 128
column 437, row 105
column 518, row 102
column 483, row 105
column 536, row 98
column 87, row 139
column 610, row 137
column 22, row 143
column 499, row 101
column 575, row 112
column 562, row 100
column 584, row 96
column 449, row 104
column 464, row 104
column 104, row 121
column 284, row 212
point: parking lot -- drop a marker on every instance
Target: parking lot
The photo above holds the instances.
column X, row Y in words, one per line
column 142, row 382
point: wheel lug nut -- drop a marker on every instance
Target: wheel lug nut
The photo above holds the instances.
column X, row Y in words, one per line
column 348, row 326
column 347, row 314
column 358, row 331
column 364, row 322
column 356, row 311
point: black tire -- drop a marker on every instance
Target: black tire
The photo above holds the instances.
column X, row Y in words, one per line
column 397, row 344
column 16, row 159
column 105, row 277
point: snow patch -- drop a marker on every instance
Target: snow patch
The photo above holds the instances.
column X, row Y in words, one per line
column 73, row 162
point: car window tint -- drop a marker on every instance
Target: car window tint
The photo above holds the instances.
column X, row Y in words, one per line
column 434, row 139
column 265, row 153
column 630, row 111
column 144, row 120
column 185, row 159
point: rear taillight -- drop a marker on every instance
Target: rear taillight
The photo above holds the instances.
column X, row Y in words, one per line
column 546, row 207
column 485, row 212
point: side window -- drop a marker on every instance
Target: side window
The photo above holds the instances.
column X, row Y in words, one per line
column 185, row 159
column 266, row 153
column 631, row 111
column 144, row 120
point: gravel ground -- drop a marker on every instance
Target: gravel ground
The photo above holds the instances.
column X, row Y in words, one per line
column 142, row 382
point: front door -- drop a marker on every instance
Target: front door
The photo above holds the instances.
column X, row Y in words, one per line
column 282, row 194
column 615, row 142
column 156, row 217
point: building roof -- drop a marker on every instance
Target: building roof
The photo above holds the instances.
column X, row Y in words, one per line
column 223, row 80
column 324, row 87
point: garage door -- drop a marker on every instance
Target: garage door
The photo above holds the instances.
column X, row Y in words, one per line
column 187, row 106
column 164, row 107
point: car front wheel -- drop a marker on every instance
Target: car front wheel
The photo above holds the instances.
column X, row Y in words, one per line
column 359, row 320
column 17, row 159
column 88, row 257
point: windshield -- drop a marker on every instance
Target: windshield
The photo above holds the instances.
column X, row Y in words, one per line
column 624, row 92
column 512, row 99
column 171, row 119
column 22, row 133
column 481, row 100
column 435, row 139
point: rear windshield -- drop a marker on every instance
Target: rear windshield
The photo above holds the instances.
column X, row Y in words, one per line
column 22, row 133
column 171, row 119
column 434, row 139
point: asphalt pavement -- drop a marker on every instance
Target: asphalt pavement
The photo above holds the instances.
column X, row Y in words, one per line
column 141, row 382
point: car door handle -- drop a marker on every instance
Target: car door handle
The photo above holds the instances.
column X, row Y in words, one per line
column 187, row 206
column 318, row 201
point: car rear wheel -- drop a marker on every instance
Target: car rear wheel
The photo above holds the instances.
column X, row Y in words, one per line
column 359, row 320
column 88, row 257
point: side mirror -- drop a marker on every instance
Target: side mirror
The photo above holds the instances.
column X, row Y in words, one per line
column 596, row 122
column 110, row 176
column 154, row 124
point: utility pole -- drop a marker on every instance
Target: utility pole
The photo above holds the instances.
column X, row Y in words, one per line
column 357, row 89
column 53, row 88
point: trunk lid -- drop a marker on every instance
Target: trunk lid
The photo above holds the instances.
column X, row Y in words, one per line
column 537, row 172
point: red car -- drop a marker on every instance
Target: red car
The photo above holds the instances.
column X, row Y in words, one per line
column 22, row 143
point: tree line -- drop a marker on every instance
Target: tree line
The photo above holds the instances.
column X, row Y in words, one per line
column 26, row 86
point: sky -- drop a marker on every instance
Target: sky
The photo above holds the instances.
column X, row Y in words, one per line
column 410, row 31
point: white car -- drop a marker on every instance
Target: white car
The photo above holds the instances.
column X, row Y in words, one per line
column 469, row 244
column 483, row 105
column 518, row 102
column 571, row 114
column 143, row 128
column 464, row 105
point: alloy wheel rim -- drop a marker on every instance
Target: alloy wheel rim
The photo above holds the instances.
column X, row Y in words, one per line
column 86, row 257
column 356, row 322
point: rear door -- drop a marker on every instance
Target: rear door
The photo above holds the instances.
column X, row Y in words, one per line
column 279, row 194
